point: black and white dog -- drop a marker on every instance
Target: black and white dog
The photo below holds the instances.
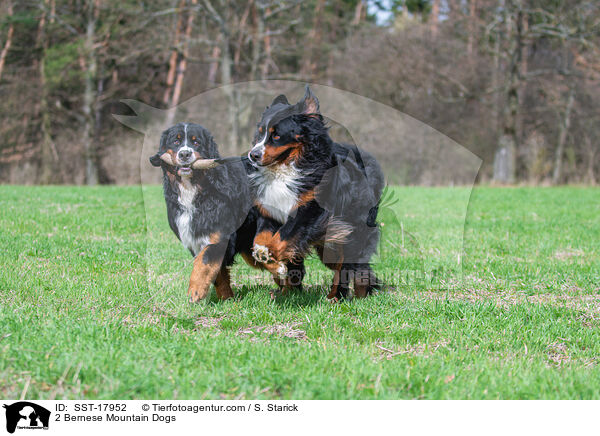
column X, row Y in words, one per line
column 209, row 206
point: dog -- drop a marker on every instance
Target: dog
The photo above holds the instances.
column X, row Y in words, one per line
column 313, row 192
column 209, row 206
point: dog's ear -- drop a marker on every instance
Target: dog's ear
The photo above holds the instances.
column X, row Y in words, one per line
column 213, row 150
column 310, row 103
column 155, row 160
column 281, row 99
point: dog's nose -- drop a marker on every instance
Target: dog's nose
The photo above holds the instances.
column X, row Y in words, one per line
column 255, row 155
column 184, row 155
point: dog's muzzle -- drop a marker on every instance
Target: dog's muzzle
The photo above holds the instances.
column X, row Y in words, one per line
column 185, row 156
column 255, row 154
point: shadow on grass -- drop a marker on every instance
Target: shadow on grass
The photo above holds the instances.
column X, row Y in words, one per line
column 308, row 296
column 294, row 299
column 187, row 323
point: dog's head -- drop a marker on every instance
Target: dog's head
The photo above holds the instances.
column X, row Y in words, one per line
column 186, row 147
column 281, row 133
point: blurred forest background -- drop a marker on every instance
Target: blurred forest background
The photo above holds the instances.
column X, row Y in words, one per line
column 514, row 81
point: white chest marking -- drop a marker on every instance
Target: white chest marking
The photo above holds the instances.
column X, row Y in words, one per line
column 187, row 192
column 276, row 189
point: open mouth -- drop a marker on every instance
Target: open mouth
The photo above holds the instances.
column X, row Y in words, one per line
column 254, row 163
column 184, row 171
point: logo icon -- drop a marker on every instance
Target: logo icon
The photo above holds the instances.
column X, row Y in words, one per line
column 26, row 415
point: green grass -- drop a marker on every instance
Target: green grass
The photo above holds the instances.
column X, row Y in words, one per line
column 93, row 305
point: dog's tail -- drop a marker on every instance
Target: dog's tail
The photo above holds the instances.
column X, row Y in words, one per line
column 337, row 231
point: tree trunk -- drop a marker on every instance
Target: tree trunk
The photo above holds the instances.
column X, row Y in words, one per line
column 472, row 26
column 174, row 55
column 232, row 97
column 510, row 138
column 89, row 97
column 591, row 152
column 103, row 176
column 242, row 32
column 435, row 13
column 523, row 47
column 495, row 78
column 562, row 138
column 184, row 57
column 9, row 38
column 214, row 65
column 359, row 12
column 258, row 28
column 313, row 39
column 267, row 42
column 226, row 75
column 182, row 65
column 48, row 172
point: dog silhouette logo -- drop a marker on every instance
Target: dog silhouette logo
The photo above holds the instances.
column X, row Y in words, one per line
column 26, row 415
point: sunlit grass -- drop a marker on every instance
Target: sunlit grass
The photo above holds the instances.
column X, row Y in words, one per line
column 87, row 311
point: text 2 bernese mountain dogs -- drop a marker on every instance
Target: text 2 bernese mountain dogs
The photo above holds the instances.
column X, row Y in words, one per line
column 313, row 192
column 209, row 206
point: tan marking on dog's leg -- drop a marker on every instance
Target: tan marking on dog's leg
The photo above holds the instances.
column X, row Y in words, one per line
column 251, row 261
column 203, row 274
column 279, row 250
column 271, row 252
column 336, row 279
column 202, row 277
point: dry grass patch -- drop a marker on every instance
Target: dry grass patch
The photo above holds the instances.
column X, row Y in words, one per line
column 420, row 349
column 207, row 321
column 588, row 303
column 287, row 330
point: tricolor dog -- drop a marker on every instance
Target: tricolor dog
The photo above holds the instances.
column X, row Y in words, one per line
column 312, row 192
column 209, row 206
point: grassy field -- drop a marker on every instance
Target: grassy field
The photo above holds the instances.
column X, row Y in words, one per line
column 92, row 305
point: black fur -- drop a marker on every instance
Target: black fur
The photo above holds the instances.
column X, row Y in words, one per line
column 347, row 184
column 220, row 204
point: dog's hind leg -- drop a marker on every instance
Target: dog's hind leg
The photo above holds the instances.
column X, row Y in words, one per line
column 333, row 258
column 223, row 284
column 207, row 265
column 339, row 286
column 365, row 281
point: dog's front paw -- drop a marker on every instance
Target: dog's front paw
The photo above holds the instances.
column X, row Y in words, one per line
column 261, row 254
column 282, row 270
column 194, row 296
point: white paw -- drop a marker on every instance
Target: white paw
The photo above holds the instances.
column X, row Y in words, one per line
column 261, row 254
column 282, row 271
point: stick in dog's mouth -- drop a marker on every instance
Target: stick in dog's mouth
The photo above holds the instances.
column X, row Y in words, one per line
column 201, row 164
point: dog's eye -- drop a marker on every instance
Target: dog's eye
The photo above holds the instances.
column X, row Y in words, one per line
column 276, row 137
